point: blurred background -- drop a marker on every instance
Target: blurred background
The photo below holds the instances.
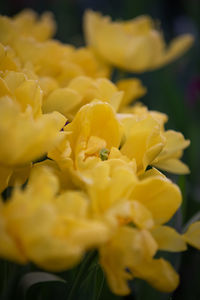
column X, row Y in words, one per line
column 173, row 89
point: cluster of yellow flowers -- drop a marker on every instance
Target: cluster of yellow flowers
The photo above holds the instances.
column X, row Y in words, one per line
column 99, row 186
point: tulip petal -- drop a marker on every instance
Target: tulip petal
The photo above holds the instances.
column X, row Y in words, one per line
column 192, row 235
column 168, row 239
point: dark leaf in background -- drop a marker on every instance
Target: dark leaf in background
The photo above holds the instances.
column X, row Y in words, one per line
column 41, row 285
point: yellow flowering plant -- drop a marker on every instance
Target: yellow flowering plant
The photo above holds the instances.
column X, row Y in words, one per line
column 79, row 160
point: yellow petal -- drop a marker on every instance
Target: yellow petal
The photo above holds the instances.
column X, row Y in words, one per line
column 112, row 180
column 169, row 158
column 126, row 250
column 192, row 235
column 52, row 231
column 132, row 88
column 9, row 249
column 29, row 93
column 168, row 239
column 144, row 141
column 172, row 165
column 159, row 195
column 94, row 119
column 47, row 84
column 62, row 100
column 176, row 48
column 30, row 138
column 175, row 142
column 95, row 144
column 28, row 24
column 159, row 273
column 142, row 217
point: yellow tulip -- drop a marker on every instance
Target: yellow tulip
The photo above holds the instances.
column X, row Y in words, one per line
column 23, row 128
column 173, row 142
column 24, row 139
column 135, row 45
column 94, row 128
column 52, row 231
column 27, row 24
column 143, row 139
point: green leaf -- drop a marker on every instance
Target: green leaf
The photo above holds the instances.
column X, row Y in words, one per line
column 36, row 284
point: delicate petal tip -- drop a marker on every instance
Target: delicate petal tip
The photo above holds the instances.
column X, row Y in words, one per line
column 176, row 48
column 192, row 235
column 174, row 166
column 168, row 239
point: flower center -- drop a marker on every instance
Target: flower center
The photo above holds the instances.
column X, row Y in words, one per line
column 103, row 153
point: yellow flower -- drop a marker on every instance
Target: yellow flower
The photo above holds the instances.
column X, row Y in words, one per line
column 169, row 157
column 27, row 24
column 29, row 38
column 25, row 134
column 24, row 139
column 100, row 129
column 134, row 209
column 135, row 45
column 53, row 231
column 68, row 61
column 94, row 128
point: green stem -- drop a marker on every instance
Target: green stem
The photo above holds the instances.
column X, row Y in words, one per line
column 83, row 267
